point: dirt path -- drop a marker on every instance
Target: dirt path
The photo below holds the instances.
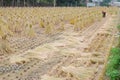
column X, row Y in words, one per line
column 71, row 56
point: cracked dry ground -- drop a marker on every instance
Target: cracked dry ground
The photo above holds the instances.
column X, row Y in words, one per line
column 68, row 55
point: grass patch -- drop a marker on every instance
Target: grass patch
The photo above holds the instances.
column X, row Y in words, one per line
column 113, row 67
column 118, row 27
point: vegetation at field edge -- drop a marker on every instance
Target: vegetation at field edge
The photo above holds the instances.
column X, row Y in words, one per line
column 113, row 67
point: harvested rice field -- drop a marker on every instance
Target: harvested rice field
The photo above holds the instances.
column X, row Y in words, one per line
column 68, row 43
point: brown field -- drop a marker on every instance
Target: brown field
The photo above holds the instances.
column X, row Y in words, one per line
column 55, row 43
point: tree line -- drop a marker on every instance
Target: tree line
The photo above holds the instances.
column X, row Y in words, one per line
column 22, row 3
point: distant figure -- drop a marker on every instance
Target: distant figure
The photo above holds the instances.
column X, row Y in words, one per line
column 103, row 14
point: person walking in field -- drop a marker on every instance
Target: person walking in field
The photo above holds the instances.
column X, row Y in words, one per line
column 103, row 14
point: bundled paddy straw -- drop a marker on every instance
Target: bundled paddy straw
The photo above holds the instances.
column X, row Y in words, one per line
column 4, row 45
column 31, row 32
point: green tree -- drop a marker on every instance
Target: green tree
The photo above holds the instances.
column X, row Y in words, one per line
column 42, row 2
column 105, row 2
